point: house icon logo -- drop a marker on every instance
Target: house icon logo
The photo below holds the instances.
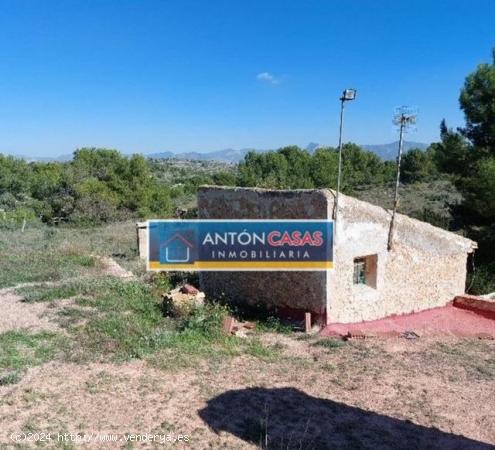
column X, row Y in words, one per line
column 176, row 249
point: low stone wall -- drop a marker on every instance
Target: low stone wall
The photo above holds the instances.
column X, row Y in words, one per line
column 479, row 305
column 142, row 239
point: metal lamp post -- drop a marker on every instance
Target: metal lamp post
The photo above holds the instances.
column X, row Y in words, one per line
column 347, row 95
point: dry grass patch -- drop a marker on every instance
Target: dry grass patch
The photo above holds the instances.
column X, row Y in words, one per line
column 362, row 394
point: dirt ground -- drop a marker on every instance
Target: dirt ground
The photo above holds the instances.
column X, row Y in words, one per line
column 17, row 314
column 316, row 393
column 390, row 393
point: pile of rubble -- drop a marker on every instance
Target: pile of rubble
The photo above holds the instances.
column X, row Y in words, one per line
column 236, row 328
column 182, row 300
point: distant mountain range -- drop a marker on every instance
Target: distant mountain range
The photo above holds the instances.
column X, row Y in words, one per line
column 389, row 151
column 61, row 158
column 228, row 155
column 384, row 151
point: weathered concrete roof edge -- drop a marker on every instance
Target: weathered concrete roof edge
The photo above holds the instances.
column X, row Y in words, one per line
column 376, row 212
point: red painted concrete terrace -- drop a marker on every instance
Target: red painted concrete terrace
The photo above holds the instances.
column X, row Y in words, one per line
column 466, row 316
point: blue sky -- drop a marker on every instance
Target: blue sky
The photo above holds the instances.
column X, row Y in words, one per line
column 147, row 76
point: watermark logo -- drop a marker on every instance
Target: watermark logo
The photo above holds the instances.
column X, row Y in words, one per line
column 234, row 245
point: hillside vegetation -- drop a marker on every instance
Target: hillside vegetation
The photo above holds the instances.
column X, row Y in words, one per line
column 451, row 184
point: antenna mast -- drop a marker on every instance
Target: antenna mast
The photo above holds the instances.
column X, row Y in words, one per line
column 404, row 117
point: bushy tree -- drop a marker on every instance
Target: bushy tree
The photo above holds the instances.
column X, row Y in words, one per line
column 477, row 164
column 294, row 168
column 95, row 201
column 479, row 191
column 324, row 167
column 15, row 176
column 470, row 155
column 98, row 185
column 418, row 166
column 224, row 179
column 298, row 172
column 477, row 100
column 268, row 170
column 453, row 154
column 361, row 167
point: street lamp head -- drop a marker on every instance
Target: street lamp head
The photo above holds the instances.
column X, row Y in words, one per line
column 348, row 94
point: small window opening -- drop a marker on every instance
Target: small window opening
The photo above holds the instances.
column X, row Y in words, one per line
column 365, row 270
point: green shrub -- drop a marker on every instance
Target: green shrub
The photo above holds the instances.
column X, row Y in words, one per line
column 482, row 280
column 205, row 320
column 10, row 377
column 329, row 343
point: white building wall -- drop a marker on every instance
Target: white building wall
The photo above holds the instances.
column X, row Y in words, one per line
column 426, row 267
column 416, row 274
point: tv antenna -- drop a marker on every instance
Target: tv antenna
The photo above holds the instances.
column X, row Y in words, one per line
column 404, row 118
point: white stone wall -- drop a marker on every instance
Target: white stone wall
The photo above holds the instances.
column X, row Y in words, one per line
column 426, row 267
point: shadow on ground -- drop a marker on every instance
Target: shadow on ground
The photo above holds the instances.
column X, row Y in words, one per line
column 287, row 418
